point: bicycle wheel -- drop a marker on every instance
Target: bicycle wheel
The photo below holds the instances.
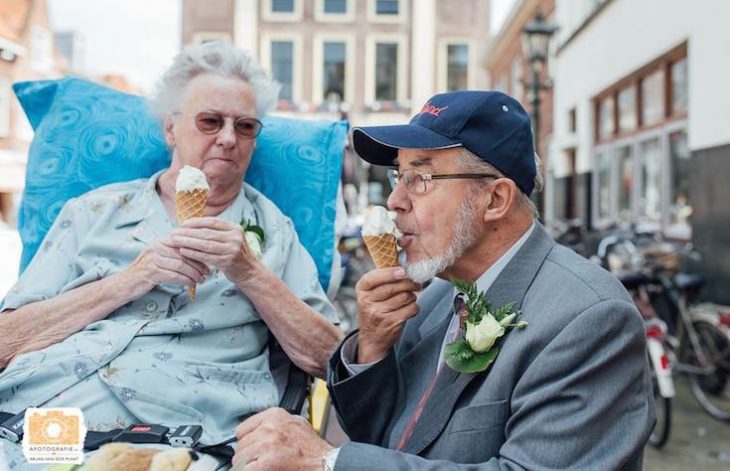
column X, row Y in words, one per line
column 663, row 409
column 712, row 391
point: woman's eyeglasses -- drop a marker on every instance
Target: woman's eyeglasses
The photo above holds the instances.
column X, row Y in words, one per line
column 419, row 183
column 211, row 123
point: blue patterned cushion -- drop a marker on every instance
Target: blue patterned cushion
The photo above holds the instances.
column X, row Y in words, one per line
column 88, row 135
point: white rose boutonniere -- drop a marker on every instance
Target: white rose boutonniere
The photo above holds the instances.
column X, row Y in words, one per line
column 483, row 326
column 255, row 238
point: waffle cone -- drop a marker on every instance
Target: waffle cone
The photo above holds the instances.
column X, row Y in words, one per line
column 383, row 250
column 190, row 204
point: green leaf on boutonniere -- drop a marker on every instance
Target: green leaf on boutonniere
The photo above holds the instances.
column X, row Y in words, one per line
column 483, row 326
column 460, row 357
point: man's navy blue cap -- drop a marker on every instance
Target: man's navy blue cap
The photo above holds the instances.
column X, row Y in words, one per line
column 490, row 124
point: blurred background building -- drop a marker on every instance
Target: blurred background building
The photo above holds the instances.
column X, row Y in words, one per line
column 368, row 61
column 26, row 53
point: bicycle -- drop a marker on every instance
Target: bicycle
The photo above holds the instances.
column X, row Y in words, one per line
column 656, row 342
column 698, row 335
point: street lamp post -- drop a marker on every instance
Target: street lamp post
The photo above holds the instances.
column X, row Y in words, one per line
column 535, row 40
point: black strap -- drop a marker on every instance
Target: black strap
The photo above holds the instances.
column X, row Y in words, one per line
column 96, row 439
column 297, row 383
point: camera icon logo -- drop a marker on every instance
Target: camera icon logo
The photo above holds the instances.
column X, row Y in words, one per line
column 53, row 428
column 54, row 435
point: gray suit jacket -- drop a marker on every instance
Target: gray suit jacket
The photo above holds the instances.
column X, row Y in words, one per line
column 572, row 390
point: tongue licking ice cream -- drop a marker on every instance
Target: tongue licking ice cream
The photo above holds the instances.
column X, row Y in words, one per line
column 191, row 193
column 379, row 233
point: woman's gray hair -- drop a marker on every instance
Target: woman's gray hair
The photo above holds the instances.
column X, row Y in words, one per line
column 216, row 58
column 471, row 163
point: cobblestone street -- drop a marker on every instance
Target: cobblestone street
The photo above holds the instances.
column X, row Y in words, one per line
column 696, row 441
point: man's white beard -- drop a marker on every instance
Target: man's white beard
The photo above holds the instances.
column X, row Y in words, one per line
column 464, row 237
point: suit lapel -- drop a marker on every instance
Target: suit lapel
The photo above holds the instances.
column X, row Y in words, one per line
column 510, row 286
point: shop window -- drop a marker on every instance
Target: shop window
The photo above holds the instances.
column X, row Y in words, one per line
column 603, row 186
column 605, row 118
column 627, row 110
column 649, row 158
column 680, row 88
column 652, row 98
column 626, row 183
column 679, row 155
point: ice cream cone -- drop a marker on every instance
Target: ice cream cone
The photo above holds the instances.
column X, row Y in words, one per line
column 383, row 250
column 190, row 204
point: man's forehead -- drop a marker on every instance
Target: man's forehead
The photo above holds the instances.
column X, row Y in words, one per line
column 424, row 157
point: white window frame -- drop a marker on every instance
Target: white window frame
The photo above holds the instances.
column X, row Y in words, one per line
column 318, row 62
column 267, row 13
column 321, row 16
column 443, row 61
column 202, row 36
column 634, row 142
column 401, row 17
column 296, row 39
column 371, row 41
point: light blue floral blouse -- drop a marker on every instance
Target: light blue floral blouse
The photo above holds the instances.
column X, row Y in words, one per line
column 161, row 358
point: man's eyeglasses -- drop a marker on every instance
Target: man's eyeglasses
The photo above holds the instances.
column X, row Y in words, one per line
column 211, row 123
column 419, row 183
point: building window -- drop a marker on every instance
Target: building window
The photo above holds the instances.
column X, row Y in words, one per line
column 650, row 182
column 333, row 85
column 282, row 67
column 4, row 107
column 626, row 183
column 457, row 72
column 627, row 110
column 334, row 11
column 647, row 181
column 605, row 118
column 282, row 10
column 572, row 120
column 387, row 11
column 652, row 98
column 517, row 90
column 680, row 210
column 386, row 7
column 680, row 88
column 335, row 6
column 603, row 185
column 282, row 6
column 386, row 71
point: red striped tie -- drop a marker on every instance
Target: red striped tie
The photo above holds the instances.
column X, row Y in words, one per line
column 459, row 307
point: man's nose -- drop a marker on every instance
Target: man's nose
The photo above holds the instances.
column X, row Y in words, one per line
column 226, row 137
column 399, row 199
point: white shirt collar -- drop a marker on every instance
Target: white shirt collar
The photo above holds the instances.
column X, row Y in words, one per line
column 486, row 279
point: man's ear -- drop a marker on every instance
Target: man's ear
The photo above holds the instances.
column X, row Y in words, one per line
column 500, row 199
column 169, row 135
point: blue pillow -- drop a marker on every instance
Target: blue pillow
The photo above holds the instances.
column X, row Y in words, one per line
column 88, row 135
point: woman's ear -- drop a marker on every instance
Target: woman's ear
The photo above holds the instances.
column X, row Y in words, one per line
column 500, row 199
column 168, row 130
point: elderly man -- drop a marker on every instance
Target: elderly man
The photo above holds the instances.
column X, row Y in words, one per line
column 569, row 390
column 102, row 320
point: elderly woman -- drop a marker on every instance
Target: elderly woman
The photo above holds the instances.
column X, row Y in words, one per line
column 102, row 319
